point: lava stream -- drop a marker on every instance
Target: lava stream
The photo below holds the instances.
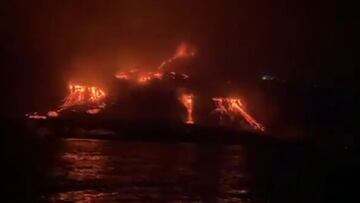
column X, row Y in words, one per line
column 188, row 101
column 80, row 95
column 233, row 106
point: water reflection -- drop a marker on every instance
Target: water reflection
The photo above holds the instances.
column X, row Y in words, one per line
column 112, row 171
column 83, row 161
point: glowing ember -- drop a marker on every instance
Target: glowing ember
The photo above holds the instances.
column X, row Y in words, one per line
column 80, row 95
column 188, row 101
column 233, row 106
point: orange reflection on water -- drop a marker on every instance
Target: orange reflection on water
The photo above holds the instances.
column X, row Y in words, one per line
column 81, row 164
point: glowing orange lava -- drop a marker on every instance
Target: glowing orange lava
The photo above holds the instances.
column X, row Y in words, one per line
column 233, row 106
column 91, row 99
column 139, row 76
column 143, row 77
column 80, row 95
column 188, row 101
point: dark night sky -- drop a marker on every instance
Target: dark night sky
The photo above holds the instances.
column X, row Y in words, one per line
column 48, row 43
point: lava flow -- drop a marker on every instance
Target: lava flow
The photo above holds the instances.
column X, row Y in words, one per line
column 139, row 76
column 91, row 99
column 188, row 101
column 234, row 106
column 80, row 95
column 148, row 76
column 143, row 77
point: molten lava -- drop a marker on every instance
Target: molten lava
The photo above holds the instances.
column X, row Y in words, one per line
column 139, row 76
column 188, row 101
column 143, row 77
column 80, row 95
column 148, row 76
column 91, row 99
column 233, row 106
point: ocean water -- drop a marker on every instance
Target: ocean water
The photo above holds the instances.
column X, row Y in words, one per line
column 103, row 171
column 114, row 171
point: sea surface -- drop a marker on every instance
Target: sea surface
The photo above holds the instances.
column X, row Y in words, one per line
column 112, row 171
column 103, row 171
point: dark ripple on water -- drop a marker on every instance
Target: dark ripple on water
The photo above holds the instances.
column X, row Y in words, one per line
column 113, row 171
